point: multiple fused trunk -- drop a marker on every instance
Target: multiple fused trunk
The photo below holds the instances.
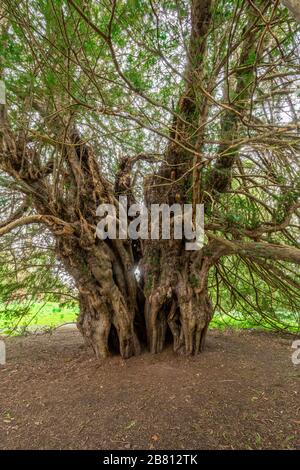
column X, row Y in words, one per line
column 134, row 294
column 118, row 313
column 133, row 298
column 168, row 300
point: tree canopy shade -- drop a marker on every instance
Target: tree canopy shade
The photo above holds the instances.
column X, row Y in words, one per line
column 171, row 101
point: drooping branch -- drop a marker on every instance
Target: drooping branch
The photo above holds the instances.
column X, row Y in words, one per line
column 258, row 250
column 34, row 219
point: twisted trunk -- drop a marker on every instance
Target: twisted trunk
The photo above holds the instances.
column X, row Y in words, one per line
column 108, row 296
column 115, row 309
column 185, row 310
column 117, row 316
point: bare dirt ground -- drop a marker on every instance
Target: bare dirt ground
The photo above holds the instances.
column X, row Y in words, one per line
column 242, row 392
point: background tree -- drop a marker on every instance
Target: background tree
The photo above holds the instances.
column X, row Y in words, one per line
column 171, row 101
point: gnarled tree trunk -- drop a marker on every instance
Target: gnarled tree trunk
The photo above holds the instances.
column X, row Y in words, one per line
column 169, row 300
column 177, row 298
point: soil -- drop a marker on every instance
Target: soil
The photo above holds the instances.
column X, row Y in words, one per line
column 241, row 393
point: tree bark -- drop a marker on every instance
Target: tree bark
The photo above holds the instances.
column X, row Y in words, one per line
column 171, row 300
column 107, row 296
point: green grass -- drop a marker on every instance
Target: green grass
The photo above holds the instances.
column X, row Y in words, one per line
column 52, row 314
column 222, row 322
column 288, row 322
column 43, row 315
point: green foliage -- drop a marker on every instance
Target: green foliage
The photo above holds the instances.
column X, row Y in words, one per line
column 246, row 296
column 54, row 60
column 240, row 212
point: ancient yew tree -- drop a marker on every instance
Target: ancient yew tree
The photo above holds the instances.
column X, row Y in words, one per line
column 164, row 102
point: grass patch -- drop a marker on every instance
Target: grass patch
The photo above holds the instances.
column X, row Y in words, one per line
column 285, row 321
column 44, row 315
column 15, row 319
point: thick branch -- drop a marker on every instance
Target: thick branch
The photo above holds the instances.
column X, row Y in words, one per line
column 33, row 219
column 16, row 215
column 259, row 250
